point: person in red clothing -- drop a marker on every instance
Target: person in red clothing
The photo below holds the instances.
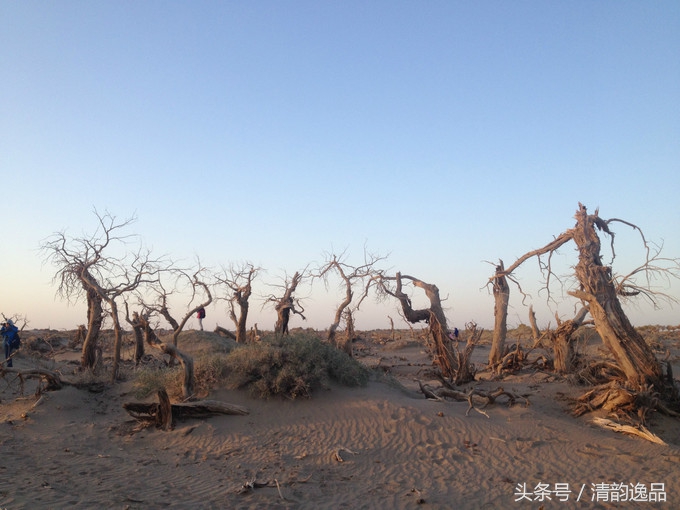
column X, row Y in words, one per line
column 200, row 316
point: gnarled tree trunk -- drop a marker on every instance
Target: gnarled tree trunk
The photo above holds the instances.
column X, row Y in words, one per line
column 501, row 295
column 286, row 305
column 563, row 342
column 95, row 318
column 634, row 357
column 445, row 355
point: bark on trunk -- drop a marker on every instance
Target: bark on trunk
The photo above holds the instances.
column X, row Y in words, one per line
column 563, row 343
column 118, row 340
column 633, row 355
column 139, row 343
column 443, row 353
column 286, row 305
column 535, row 332
column 501, row 294
column 95, row 317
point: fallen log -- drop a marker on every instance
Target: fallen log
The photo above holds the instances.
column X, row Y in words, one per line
column 164, row 414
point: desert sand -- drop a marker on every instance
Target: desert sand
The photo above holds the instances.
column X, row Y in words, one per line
column 380, row 446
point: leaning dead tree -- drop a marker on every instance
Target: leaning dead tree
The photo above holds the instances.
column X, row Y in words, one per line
column 238, row 280
column 352, row 278
column 454, row 368
column 600, row 290
column 286, row 304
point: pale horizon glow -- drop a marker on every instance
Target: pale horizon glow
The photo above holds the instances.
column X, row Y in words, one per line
column 444, row 135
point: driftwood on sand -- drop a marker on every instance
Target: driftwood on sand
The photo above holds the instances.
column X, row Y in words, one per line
column 488, row 397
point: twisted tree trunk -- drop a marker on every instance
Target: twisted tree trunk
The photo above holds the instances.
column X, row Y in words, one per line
column 95, row 318
column 634, row 357
column 563, row 342
column 501, row 295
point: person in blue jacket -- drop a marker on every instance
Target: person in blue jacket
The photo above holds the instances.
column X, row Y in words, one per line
column 10, row 335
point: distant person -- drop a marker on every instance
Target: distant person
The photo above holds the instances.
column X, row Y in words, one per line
column 10, row 338
column 455, row 333
column 200, row 316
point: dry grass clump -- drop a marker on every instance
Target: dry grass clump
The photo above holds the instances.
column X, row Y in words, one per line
column 209, row 371
column 292, row 367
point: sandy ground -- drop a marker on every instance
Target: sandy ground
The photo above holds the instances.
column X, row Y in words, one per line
column 382, row 446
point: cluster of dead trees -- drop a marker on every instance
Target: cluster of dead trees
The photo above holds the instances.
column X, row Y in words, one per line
column 88, row 268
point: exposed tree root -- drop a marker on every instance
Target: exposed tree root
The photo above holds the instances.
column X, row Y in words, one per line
column 52, row 380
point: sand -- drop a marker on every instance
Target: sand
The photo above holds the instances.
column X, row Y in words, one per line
column 381, row 446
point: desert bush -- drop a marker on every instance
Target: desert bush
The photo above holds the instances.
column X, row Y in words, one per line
column 292, row 367
column 209, row 372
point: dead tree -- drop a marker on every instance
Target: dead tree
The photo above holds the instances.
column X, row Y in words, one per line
column 164, row 414
column 444, row 352
column 501, row 294
column 193, row 283
column 138, row 331
column 287, row 304
column 535, row 332
column 351, row 278
column 600, row 290
column 185, row 360
column 239, row 284
column 85, row 266
column 563, row 341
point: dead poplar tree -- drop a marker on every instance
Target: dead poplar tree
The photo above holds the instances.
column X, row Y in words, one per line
column 535, row 332
column 238, row 281
column 600, row 290
column 563, row 341
column 193, row 284
column 286, row 304
column 352, row 278
column 187, row 362
column 501, row 294
column 86, row 265
column 444, row 353
column 138, row 331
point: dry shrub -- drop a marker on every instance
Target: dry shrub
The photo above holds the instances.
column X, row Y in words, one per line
column 209, row 371
column 292, row 367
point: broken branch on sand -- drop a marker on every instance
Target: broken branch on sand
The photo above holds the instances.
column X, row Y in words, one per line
column 639, row 431
column 52, row 379
column 460, row 396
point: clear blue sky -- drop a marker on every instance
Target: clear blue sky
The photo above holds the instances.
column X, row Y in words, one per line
column 442, row 133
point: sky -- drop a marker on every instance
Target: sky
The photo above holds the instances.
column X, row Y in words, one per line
column 442, row 135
